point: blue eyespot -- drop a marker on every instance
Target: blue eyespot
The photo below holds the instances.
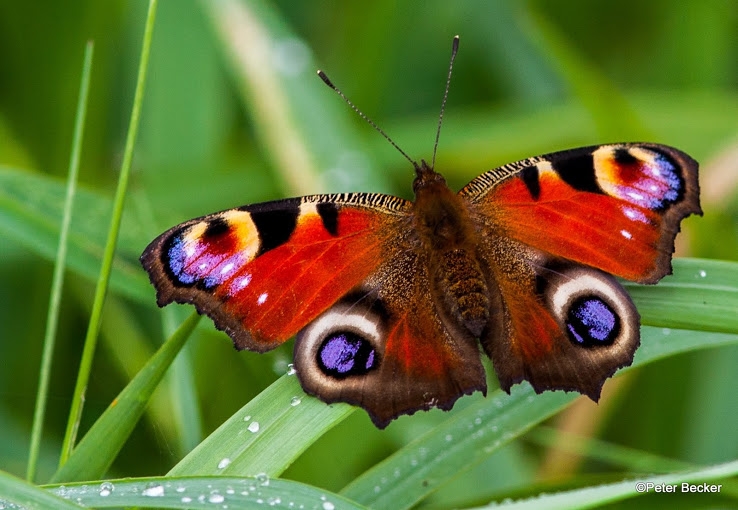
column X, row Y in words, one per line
column 345, row 354
column 591, row 322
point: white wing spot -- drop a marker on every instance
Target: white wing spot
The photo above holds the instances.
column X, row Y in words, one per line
column 634, row 214
column 240, row 283
column 227, row 268
column 262, row 298
column 626, row 234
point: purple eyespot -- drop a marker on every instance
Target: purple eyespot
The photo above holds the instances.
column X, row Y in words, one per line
column 592, row 322
column 344, row 354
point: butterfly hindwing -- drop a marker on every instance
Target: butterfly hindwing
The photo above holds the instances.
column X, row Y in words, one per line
column 565, row 326
column 385, row 347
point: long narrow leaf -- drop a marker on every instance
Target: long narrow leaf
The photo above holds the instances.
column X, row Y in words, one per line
column 266, row 435
column 203, row 492
column 594, row 497
column 57, row 282
column 97, row 450
column 88, row 352
column 17, row 493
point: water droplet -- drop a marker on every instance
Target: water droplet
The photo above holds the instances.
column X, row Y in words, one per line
column 181, row 489
column 155, row 491
column 106, row 488
column 449, row 437
column 224, row 463
column 185, row 499
column 328, row 506
column 216, row 498
column 262, row 479
column 291, row 369
column 247, row 417
column 254, row 427
column 703, row 273
column 377, row 489
column 477, row 421
column 295, row 401
column 666, row 331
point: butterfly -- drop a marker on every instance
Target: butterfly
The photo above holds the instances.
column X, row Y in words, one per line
column 390, row 300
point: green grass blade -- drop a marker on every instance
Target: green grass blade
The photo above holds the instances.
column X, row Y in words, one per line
column 594, row 497
column 475, row 433
column 203, row 492
column 88, row 352
column 52, row 319
column 266, row 435
column 701, row 295
column 17, row 493
column 99, row 447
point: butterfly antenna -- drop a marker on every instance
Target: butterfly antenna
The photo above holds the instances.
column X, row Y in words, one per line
column 361, row 114
column 454, row 50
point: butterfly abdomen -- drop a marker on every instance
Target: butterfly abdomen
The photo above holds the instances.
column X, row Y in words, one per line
column 466, row 297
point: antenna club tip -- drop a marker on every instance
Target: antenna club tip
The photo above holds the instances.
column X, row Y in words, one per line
column 455, row 44
column 325, row 79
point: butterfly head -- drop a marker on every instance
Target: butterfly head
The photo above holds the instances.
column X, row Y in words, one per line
column 426, row 178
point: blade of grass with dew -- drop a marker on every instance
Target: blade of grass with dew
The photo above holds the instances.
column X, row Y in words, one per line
column 88, row 352
column 18, row 493
column 202, row 492
column 594, row 497
column 52, row 319
column 266, row 435
column 98, row 448
column 479, row 430
column 701, row 294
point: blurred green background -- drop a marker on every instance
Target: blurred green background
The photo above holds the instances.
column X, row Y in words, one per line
column 234, row 114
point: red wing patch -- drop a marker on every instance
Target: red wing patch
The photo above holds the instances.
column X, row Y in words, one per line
column 614, row 207
column 262, row 273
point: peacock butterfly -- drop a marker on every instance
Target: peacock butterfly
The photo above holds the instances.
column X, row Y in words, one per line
column 390, row 299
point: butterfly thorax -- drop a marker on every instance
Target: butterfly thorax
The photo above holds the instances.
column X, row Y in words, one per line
column 449, row 241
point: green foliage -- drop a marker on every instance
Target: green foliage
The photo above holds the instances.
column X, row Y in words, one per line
column 233, row 114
